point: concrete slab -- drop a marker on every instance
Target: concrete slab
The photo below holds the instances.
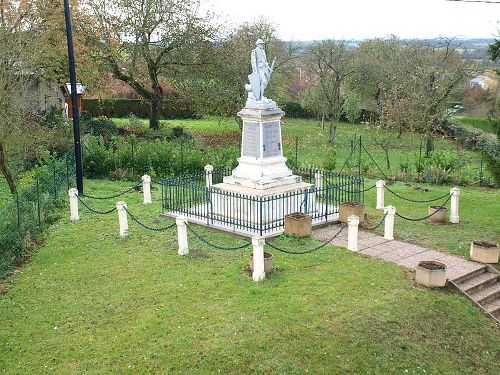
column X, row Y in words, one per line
column 372, row 241
column 412, row 261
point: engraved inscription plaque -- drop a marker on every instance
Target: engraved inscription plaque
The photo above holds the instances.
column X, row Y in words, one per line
column 251, row 139
column 272, row 139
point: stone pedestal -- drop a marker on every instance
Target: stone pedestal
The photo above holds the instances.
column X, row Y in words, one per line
column 262, row 190
column 262, row 164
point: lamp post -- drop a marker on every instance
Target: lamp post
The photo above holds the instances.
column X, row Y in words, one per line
column 74, row 100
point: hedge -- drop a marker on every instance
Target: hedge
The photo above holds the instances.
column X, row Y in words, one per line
column 173, row 107
column 478, row 140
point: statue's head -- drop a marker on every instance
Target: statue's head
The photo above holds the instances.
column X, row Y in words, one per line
column 260, row 43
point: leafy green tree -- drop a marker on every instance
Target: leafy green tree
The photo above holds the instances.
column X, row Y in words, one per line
column 149, row 44
column 20, row 135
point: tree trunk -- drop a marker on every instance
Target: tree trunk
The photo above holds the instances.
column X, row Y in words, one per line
column 387, row 159
column 154, row 118
column 429, row 145
column 6, row 172
column 333, row 131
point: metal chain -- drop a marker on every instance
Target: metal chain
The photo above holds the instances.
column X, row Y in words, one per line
column 310, row 250
column 147, row 226
column 353, row 192
column 417, row 200
column 380, row 169
column 116, row 195
column 214, row 245
column 91, row 209
column 376, row 226
column 425, row 217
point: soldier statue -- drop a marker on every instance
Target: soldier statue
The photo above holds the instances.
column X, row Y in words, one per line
column 261, row 73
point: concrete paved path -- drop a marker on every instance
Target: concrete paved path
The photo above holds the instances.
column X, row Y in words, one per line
column 398, row 252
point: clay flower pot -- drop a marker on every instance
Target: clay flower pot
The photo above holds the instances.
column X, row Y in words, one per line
column 431, row 274
column 484, row 252
column 347, row 209
column 439, row 216
column 298, row 224
column 268, row 262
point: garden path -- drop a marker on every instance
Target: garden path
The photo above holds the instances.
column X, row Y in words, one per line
column 402, row 253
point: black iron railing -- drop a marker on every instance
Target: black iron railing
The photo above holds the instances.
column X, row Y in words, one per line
column 211, row 205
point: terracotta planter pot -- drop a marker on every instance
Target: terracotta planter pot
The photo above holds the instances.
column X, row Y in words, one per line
column 484, row 252
column 347, row 209
column 298, row 224
column 439, row 216
column 431, row 274
column 268, row 262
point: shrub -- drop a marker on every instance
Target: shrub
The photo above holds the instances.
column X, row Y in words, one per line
column 52, row 118
column 435, row 174
column 477, row 140
column 102, row 126
column 98, row 161
column 296, row 110
column 330, row 161
column 173, row 107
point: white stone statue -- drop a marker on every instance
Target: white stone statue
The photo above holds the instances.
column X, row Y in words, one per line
column 261, row 73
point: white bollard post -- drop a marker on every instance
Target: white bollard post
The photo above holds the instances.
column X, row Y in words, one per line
column 73, row 204
column 122, row 218
column 182, row 237
column 208, row 175
column 455, row 193
column 146, row 189
column 352, row 233
column 258, row 259
column 380, row 184
column 389, row 222
column 318, row 178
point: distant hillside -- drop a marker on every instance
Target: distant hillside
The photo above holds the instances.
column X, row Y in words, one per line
column 470, row 49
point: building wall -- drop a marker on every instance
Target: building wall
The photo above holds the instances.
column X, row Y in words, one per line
column 41, row 95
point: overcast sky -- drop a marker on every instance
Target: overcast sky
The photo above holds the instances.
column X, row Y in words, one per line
column 358, row 19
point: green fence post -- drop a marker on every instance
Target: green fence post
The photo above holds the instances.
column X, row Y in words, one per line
column 18, row 212
column 55, row 179
column 182, row 157
column 67, row 171
column 296, row 152
column 38, row 203
column 359, row 158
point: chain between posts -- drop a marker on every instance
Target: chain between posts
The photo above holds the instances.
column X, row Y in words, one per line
column 91, row 209
column 353, row 192
column 376, row 226
column 441, row 207
column 134, row 218
column 310, row 250
column 198, row 236
column 417, row 200
column 116, row 195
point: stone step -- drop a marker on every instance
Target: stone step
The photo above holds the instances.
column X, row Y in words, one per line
column 493, row 307
column 470, row 275
column 486, row 294
column 477, row 282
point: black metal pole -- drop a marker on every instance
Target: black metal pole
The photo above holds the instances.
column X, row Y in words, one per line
column 74, row 100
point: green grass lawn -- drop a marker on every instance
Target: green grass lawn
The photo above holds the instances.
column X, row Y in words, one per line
column 91, row 302
column 479, row 123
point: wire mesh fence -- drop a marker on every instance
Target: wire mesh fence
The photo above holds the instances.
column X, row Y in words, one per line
column 23, row 219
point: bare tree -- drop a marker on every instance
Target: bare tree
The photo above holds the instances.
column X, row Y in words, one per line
column 329, row 63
